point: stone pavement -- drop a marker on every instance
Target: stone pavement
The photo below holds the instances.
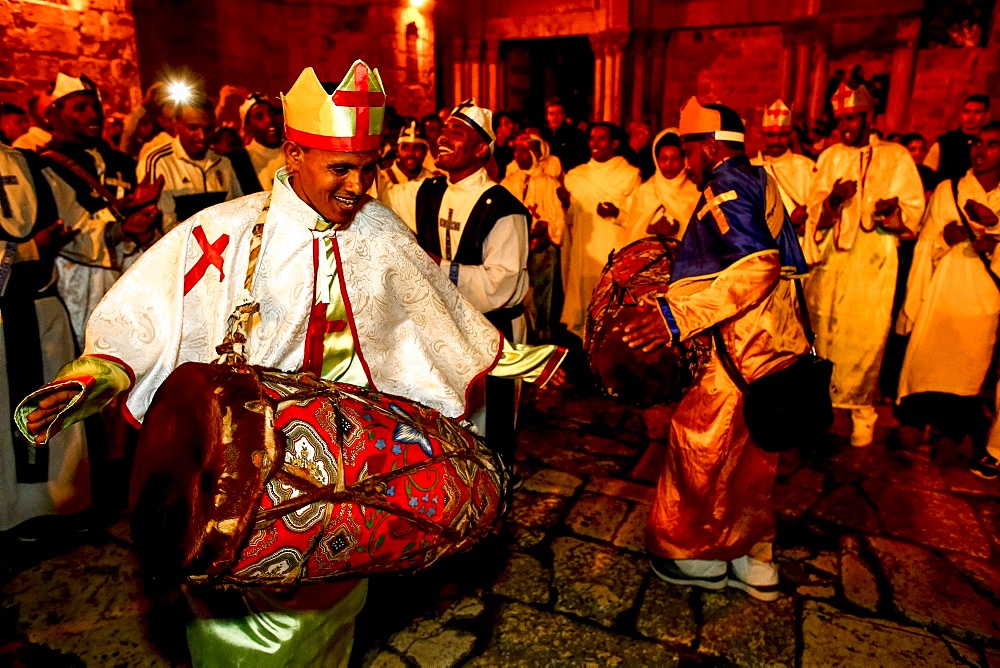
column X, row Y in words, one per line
column 887, row 559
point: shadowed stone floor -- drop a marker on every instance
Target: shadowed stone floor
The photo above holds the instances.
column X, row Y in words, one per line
column 887, row 559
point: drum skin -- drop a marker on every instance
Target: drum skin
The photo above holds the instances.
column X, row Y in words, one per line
column 640, row 269
column 248, row 476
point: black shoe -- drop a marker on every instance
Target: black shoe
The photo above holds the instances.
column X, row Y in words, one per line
column 987, row 468
column 668, row 571
column 516, row 481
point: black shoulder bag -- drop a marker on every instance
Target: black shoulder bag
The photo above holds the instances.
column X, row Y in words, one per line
column 790, row 407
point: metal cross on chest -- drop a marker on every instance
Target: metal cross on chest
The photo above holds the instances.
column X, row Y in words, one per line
column 449, row 225
column 5, row 208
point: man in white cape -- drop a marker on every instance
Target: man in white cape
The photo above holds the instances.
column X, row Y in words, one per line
column 663, row 205
column 952, row 307
column 866, row 194
column 599, row 193
column 792, row 172
column 328, row 254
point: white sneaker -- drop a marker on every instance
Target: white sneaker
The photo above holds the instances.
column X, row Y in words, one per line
column 863, row 426
column 704, row 573
column 757, row 578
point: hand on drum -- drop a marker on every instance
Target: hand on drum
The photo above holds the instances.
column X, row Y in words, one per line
column 647, row 331
column 48, row 408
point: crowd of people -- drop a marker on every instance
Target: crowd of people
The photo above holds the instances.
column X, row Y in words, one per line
column 894, row 242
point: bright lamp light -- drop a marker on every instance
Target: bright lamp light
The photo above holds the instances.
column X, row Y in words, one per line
column 179, row 92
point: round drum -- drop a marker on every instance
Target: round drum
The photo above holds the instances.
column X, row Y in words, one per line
column 249, row 476
column 642, row 379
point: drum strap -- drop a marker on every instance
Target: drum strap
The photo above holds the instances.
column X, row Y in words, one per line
column 232, row 350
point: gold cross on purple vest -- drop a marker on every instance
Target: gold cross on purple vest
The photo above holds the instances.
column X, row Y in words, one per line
column 4, row 200
column 448, row 224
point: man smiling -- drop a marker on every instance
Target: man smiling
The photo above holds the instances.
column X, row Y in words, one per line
column 477, row 232
column 865, row 195
column 341, row 289
column 196, row 176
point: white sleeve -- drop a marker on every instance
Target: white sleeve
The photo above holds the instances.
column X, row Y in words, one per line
column 402, row 198
column 88, row 246
column 501, row 280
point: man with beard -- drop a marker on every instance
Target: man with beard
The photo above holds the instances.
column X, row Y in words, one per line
column 539, row 193
column 411, row 150
column 713, row 498
column 866, row 194
column 792, row 172
column 195, row 176
column 950, row 156
column 341, row 290
column 477, row 232
column 89, row 180
column 599, row 192
column 256, row 164
column 952, row 306
column 663, row 205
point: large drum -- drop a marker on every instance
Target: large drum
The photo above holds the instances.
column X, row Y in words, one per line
column 642, row 379
column 247, row 476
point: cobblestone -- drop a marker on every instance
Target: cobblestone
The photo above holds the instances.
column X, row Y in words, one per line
column 885, row 559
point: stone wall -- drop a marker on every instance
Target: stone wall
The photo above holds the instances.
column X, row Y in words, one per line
column 945, row 77
column 736, row 66
column 92, row 37
column 264, row 44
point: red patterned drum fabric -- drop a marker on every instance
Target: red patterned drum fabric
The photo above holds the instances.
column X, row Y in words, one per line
column 643, row 379
column 250, row 476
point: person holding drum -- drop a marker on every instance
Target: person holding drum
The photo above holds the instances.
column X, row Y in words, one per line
column 315, row 277
column 711, row 524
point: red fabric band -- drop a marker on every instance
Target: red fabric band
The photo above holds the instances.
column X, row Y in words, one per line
column 345, row 144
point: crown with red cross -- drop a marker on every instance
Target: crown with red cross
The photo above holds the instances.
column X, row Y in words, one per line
column 777, row 117
column 851, row 100
column 346, row 118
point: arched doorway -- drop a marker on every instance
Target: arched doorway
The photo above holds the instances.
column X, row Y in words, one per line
column 537, row 69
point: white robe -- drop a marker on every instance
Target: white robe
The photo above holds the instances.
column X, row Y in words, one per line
column 793, row 174
column 415, row 334
column 502, row 279
column 952, row 305
column 266, row 162
column 67, row 489
column 659, row 197
column 593, row 238
column 850, row 288
column 537, row 191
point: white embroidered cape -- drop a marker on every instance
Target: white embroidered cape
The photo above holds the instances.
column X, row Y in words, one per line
column 417, row 336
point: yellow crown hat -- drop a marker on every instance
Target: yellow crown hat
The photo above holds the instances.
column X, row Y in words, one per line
column 851, row 100
column 777, row 117
column 699, row 123
column 348, row 118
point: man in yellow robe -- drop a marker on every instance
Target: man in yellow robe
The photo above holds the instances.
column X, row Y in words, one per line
column 952, row 306
column 599, row 193
column 711, row 524
column 866, row 194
